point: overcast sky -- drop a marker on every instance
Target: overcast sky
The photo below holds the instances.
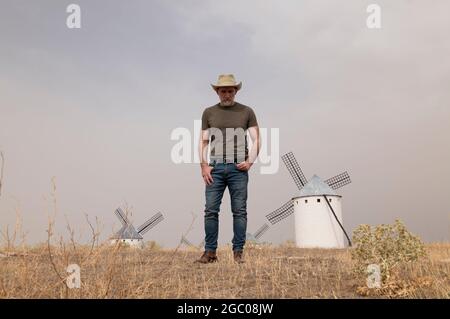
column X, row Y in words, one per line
column 95, row 108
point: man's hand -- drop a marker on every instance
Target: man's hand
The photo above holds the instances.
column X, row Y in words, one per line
column 206, row 174
column 244, row 166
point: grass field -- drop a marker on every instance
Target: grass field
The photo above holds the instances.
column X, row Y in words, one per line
column 269, row 272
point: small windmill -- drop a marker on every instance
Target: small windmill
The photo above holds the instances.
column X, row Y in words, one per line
column 314, row 225
column 128, row 234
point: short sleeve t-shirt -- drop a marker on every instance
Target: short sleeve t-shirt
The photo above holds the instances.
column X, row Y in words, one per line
column 227, row 126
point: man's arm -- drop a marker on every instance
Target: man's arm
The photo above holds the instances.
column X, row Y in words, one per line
column 254, row 151
column 203, row 155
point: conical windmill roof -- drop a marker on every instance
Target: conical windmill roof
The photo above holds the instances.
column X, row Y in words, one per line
column 316, row 187
column 127, row 232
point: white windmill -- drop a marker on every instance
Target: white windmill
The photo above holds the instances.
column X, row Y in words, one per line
column 317, row 209
column 128, row 234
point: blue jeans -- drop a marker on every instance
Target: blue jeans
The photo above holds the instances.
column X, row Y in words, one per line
column 226, row 175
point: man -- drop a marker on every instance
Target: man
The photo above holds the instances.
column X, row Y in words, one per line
column 226, row 125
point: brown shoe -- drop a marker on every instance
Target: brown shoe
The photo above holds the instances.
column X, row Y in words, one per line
column 237, row 254
column 207, row 257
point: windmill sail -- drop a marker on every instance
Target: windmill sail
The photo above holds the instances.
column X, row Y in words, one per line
column 122, row 217
column 294, row 169
column 261, row 231
column 339, row 180
column 281, row 213
column 149, row 224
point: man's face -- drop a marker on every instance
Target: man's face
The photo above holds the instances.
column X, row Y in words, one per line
column 226, row 95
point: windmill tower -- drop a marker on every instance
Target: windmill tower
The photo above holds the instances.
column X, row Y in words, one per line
column 317, row 209
column 128, row 234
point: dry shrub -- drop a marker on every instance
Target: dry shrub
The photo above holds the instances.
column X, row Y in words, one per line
column 153, row 245
column 397, row 288
column 390, row 247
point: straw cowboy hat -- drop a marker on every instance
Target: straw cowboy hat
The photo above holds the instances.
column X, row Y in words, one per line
column 226, row 80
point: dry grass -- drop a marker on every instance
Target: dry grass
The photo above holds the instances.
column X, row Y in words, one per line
column 269, row 272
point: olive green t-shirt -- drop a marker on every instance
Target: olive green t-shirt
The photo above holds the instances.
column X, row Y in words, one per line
column 227, row 126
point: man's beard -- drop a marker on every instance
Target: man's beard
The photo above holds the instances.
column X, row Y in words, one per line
column 226, row 103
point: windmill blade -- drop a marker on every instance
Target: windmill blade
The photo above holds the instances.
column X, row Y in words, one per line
column 149, row 224
column 294, row 169
column 339, row 180
column 185, row 241
column 281, row 213
column 261, row 231
column 122, row 217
